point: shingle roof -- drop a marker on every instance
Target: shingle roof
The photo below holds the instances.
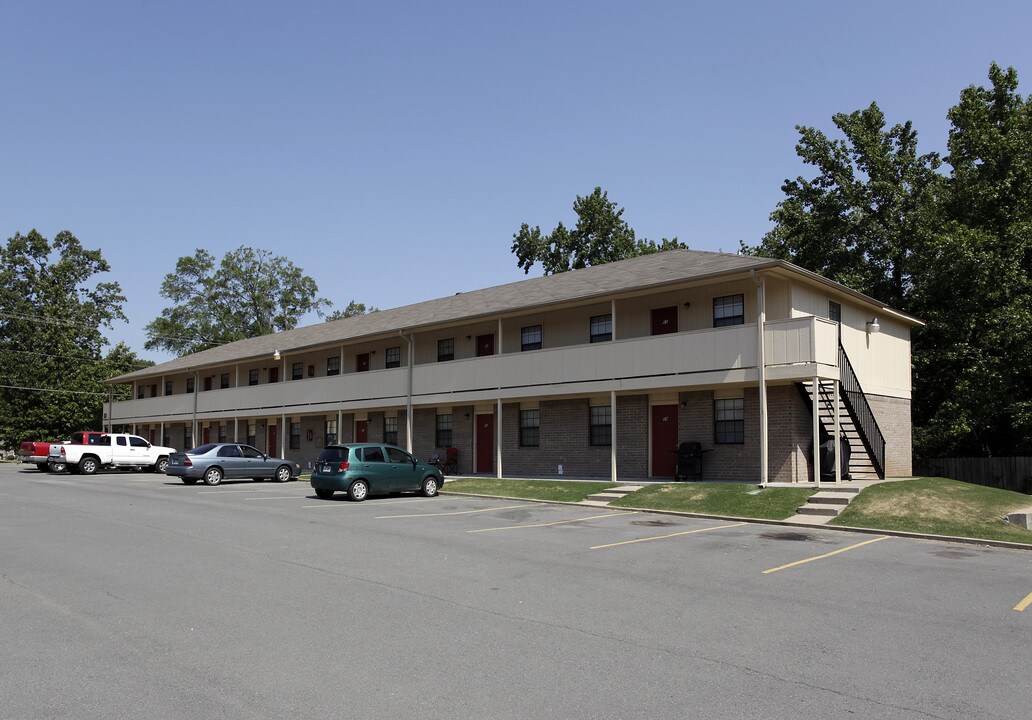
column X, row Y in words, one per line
column 623, row 275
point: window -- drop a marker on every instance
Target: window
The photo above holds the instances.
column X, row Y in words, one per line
column 834, row 311
column 188, row 437
column 223, row 381
column 602, row 329
column 252, row 377
column 222, row 433
column 333, row 365
column 251, row 434
column 371, row 454
column 229, row 451
column 139, row 392
column 168, row 391
column 297, row 371
column 189, row 384
column 728, row 310
column 166, row 439
column 443, row 436
column 295, row 436
column 207, row 383
column 331, row 432
column 729, row 421
column 250, row 452
column 530, row 428
column 390, row 430
column 137, row 442
column 394, row 357
column 601, row 425
column 530, row 338
column 445, row 350
column 398, row 456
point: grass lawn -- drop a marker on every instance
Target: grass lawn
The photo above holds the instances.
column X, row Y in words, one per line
column 719, row 499
column 559, row 490
column 939, row 506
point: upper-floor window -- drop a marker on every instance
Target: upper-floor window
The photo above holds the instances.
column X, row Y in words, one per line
column 601, row 425
column 139, row 392
column 530, row 338
column 224, row 381
column 393, row 357
column 189, row 384
column 729, row 421
column 445, row 351
column 297, row 371
column 252, row 377
column 728, row 310
column 530, row 428
column 168, row 391
column 333, row 365
column 834, row 311
column 601, row 328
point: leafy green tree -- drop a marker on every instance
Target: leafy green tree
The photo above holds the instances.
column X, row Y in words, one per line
column 601, row 235
column 354, row 309
column 52, row 314
column 953, row 249
column 250, row 293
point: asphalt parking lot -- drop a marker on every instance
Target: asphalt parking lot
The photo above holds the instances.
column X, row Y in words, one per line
column 130, row 593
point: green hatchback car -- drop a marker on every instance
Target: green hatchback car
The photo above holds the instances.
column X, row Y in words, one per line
column 361, row 469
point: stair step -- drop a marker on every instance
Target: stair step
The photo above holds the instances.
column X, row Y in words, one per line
column 819, row 509
column 829, row 497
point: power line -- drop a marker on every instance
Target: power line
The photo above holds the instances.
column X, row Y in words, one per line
column 52, row 390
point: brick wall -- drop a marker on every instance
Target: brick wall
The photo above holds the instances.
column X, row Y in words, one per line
column 894, row 419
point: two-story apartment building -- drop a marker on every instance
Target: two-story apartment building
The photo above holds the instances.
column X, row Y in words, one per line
column 599, row 372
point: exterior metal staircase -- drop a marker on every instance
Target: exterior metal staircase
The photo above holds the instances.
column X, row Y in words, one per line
column 856, row 420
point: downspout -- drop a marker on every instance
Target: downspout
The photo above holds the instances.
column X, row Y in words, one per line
column 196, row 390
column 761, row 366
column 111, row 407
column 408, row 394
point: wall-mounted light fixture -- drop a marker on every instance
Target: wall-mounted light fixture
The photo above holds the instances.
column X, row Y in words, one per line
column 276, row 355
column 469, row 337
column 873, row 326
column 687, row 305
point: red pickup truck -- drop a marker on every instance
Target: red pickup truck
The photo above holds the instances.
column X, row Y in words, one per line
column 39, row 452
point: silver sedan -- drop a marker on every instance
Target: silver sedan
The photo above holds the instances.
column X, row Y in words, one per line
column 215, row 461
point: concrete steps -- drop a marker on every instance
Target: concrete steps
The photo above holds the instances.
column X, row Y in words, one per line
column 603, row 499
column 827, row 503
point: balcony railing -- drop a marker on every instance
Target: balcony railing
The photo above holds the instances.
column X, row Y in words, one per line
column 700, row 357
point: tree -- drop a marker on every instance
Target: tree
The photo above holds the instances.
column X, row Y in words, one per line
column 954, row 250
column 859, row 220
column 251, row 293
column 600, row 236
column 52, row 315
column 354, row 309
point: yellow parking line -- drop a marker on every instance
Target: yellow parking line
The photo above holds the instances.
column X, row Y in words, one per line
column 826, row 555
column 549, row 524
column 461, row 512
column 664, row 537
column 1020, row 607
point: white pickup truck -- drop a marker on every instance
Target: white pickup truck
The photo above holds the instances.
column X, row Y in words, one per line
column 110, row 451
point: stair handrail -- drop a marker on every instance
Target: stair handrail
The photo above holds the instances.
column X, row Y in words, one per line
column 860, row 412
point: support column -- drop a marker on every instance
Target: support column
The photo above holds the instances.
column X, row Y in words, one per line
column 838, row 435
column 498, row 437
column 283, row 431
column 816, row 429
column 612, row 433
column 761, row 364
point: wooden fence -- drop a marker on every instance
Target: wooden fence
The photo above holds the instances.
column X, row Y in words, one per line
column 1007, row 473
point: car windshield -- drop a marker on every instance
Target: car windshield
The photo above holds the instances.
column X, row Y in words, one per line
column 201, row 449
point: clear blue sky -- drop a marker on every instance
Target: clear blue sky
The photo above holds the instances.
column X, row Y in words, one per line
column 392, row 149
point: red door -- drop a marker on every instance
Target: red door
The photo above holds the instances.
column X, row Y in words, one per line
column 361, row 365
column 273, row 447
column 664, row 320
column 485, row 443
column 485, row 345
column 361, row 431
column 206, row 436
column 664, row 440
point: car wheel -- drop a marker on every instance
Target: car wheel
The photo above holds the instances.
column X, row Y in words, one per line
column 161, row 464
column 58, row 467
column 42, row 467
column 323, row 493
column 282, row 473
column 88, row 466
column 430, row 487
column 189, row 481
column 358, row 490
column 212, row 476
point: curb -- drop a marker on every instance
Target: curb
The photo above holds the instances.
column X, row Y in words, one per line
column 781, row 523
